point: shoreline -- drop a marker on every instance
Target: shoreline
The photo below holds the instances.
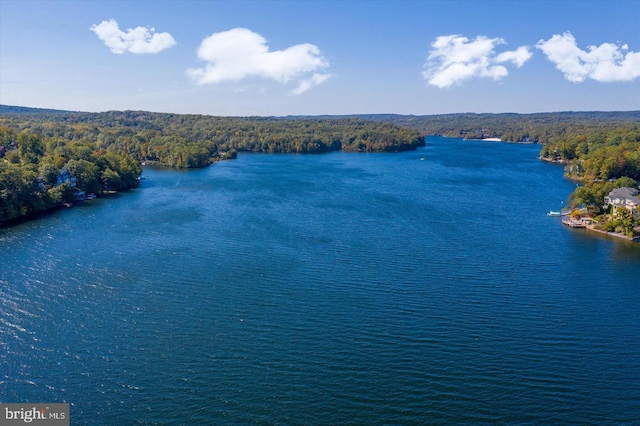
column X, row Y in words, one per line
column 588, row 227
column 553, row 161
column 613, row 234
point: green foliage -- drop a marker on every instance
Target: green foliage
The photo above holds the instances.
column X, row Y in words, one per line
column 110, row 179
column 7, row 136
column 591, row 195
column 118, row 171
column 30, row 147
column 29, row 174
column 196, row 141
column 622, row 222
column 104, row 150
column 583, row 195
column 608, row 153
column 626, row 222
column 49, row 173
column 86, row 173
column 604, row 156
column 535, row 128
column 20, row 194
column 604, row 159
column 12, row 157
column 61, row 194
column 625, row 181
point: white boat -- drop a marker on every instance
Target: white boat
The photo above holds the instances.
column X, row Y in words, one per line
column 552, row 213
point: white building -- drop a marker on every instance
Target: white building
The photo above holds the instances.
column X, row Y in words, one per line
column 623, row 198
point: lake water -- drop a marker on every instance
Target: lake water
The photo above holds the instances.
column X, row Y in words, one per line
column 412, row 288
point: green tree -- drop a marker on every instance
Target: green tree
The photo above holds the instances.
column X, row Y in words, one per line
column 30, row 147
column 12, row 157
column 583, row 195
column 110, row 179
column 86, row 173
column 61, row 193
column 625, row 181
column 49, row 173
column 626, row 222
column 7, row 135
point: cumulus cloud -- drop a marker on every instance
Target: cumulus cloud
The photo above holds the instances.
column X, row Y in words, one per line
column 240, row 53
column 454, row 58
column 137, row 40
column 606, row 63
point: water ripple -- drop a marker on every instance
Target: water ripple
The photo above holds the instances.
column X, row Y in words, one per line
column 336, row 289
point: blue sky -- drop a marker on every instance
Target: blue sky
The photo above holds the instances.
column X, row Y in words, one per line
column 321, row 57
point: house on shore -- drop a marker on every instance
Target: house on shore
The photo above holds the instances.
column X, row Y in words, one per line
column 65, row 176
column 623, row 198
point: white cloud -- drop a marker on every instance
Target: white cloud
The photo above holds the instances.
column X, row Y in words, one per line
column 308, row 83
column 136, row 40
column 605, row 63
column 240, row 53
column 453, row 59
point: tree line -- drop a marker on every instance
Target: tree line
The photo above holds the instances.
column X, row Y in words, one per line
column 188, row 140
column 602, row 160
column 49, row 157
column 534, row 128
column 39, row 173
column 103, row 150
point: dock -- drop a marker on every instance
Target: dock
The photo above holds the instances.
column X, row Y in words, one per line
column 574, row 223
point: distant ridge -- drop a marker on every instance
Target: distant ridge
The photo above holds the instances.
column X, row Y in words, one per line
column 11, row 109
column 627, row 115
column 509, row 127
column 384, row 117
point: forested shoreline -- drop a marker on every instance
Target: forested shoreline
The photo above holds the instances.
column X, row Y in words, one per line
column 49, row 158
column 102, row 152
column 187, row 140
column 599, row 150
column 541, row 128
column 39, row 174
column 600, row 161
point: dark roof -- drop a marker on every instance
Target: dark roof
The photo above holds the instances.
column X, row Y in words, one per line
column 625, row 192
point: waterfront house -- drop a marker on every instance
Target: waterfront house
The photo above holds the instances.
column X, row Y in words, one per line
column 65, row 176
column 623, row 198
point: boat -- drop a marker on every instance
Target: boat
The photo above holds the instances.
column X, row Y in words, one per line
column 554, row 213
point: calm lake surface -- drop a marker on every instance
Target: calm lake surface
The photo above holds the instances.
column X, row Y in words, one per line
column 412, row 288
